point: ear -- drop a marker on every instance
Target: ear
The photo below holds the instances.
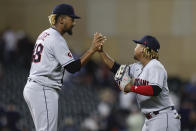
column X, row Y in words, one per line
column 61, row 20
column 142, row 50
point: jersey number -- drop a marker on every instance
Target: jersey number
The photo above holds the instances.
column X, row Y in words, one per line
column 37, row 53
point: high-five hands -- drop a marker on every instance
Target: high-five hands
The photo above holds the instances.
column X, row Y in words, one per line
column 98, row 41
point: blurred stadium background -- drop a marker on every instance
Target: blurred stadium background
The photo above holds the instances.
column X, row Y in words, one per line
column 90, row 100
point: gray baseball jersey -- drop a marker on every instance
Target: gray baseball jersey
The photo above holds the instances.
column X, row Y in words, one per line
column 51, row 54
column 153, row 73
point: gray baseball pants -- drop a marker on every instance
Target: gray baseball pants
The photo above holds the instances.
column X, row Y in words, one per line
column 167, row 120
column 43, row 105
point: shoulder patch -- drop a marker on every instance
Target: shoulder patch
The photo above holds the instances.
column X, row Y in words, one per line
column 69, row 54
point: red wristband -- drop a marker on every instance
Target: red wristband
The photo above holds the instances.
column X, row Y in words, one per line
column 146, row 90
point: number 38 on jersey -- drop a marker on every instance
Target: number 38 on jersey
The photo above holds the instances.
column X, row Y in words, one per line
column 37, row 53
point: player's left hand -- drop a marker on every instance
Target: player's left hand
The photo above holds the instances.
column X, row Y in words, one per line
column 122, row 77
column 128, row 86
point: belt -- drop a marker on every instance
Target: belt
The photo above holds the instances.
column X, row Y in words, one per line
column 154, row 113
column 29, row 79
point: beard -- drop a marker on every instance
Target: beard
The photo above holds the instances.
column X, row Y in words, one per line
column 69, row 30
column 135, row 57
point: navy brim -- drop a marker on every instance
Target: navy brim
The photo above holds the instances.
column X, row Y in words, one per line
column 137, row 42
column 75, row 17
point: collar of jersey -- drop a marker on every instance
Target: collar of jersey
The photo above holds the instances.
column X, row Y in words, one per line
column 55, row 30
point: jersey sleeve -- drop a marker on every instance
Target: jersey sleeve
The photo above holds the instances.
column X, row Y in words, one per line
column 62, row 53
column 156, row 76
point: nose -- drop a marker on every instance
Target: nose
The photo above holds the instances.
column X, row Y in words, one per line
column 135, row 49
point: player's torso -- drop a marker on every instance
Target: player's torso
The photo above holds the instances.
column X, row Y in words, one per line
column 45, row 69
column 143, row 76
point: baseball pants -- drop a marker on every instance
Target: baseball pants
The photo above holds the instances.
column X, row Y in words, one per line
column 43, row 105
column 165, row 121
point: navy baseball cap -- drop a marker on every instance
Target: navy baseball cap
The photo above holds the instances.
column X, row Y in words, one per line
column 149, row 41
column 65, row 9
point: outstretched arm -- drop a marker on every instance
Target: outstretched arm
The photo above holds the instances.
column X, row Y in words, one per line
column 107, row 59
column 97, row 42
column 111, row 64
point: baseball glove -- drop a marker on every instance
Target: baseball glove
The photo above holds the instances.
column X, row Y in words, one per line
column 122, row 76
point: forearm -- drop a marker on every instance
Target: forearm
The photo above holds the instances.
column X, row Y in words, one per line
column 86, row 56
column 147, row 90
column 107, row 59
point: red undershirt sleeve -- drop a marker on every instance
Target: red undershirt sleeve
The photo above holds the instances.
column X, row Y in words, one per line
column 147, row 90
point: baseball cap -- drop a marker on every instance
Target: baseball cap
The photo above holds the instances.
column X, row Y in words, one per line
column 65, row 9
column 149, row 41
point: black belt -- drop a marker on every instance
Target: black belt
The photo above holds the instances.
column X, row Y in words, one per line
column 150, row 115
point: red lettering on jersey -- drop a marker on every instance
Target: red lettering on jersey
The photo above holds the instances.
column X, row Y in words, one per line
column 140, row 82
column 69, row 54
column 43, row 35
column 144, row 82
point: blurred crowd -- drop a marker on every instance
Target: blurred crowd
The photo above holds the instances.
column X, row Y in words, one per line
column 9, row 118
column 104, row 107
column 15, row 47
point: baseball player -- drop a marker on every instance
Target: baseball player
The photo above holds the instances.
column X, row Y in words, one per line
column 148, row 79
column 51, row 56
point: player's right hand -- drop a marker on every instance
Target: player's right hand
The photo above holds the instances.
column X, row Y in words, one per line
column 98, row 41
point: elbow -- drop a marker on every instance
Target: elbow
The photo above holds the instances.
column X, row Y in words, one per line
column 73, row 67
column 156, row 90
column 156, row 94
